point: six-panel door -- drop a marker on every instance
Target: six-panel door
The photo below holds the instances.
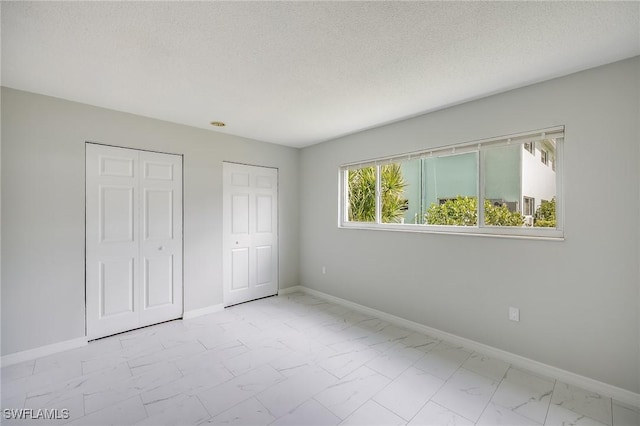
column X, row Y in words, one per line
column 133, row 239
column 250, row 232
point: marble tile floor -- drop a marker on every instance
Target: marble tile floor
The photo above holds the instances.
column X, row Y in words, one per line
column 292, row 360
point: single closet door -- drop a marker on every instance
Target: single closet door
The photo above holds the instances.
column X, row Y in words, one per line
column 250, row 232
column 133, row 239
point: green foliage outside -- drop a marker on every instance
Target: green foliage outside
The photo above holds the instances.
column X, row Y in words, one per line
column 362, row 194
column 501, row 215
column 463, row 211
column 392, row 187
column 546, row 214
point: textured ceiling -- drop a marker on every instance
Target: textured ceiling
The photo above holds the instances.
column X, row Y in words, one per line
column 304, row 72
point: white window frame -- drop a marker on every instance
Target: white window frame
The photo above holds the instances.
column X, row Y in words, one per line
column 556, row 233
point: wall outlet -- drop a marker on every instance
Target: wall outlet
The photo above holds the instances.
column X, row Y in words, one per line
column 324, row 270
column 514, row 314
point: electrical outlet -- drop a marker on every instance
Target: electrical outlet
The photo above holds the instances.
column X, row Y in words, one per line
column 514, row 314
column 324, row 270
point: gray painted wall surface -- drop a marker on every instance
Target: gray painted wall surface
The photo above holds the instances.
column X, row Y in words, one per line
column 579, row 298
column 43, row 156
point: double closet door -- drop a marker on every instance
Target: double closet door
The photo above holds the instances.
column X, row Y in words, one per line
column 133, row 239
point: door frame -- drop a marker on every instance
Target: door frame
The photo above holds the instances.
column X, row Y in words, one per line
column 86, row 334
column 277, row 169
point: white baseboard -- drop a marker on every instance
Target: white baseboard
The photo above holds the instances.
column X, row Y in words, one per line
column 41, row 351
column 202, row 311
column 619, row 394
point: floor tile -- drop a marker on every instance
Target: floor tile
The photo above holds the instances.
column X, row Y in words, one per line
column 466, row 393
column 395, row 333
column 210, row 359
column 160, row 398
column 373, row 414
column 255, row 358
column 433, row 414
column 491, row 368
column 145, row 363
column 249, row 412
column 342, row 364
column 120, row 390
column 293, row 391
column 443, row 360
column 583, row 402
column 226, row 395
column 495, row 415
column 559, row 416
column 94, row 350
column 134, row 349
column 185, row 410
column 62, row 412
column 344, row 397
column 50, row 379
column 125, row 413
column 525, row 393
column 54, row 394
column 420, row 341
column 311, row 413
column 13, row 401
column 395, row 360
column 407, row 394
column 17, row 371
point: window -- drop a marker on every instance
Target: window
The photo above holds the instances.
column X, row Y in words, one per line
column 528, row 206
column 529, row 147
column 544, row 156
column 476, row 187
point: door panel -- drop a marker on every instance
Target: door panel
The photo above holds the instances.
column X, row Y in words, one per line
column 240, row 269
column 263, row 265
column 117, row 166
column 161, row 171
column 263, row 213
column 158, row 281
column 158, row 214
column 116, row 214
column 116, row 287
column 240, row 214
column 133, row 239
column 250, row 227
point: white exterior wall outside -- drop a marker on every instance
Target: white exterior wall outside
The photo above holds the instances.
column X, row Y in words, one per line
column 538, row 179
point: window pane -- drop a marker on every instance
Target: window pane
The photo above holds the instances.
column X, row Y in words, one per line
column 361, row 193
column 400, row 191
column 539, row 182
column 450, row 190
column 517, row 183
column 502, row 189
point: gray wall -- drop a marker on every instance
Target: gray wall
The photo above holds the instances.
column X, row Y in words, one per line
column 579, row 298
column 43, row 156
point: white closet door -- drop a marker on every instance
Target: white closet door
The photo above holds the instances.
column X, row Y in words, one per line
column 133, row 239
column 161, row 237
column 250, row 228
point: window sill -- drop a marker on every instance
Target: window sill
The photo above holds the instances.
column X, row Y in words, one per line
column 496, row 232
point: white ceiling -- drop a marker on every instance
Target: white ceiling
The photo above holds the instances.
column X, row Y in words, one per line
column 304, row 72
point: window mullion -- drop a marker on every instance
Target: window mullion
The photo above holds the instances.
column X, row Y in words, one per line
column 481, row 186
column 378, row 193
